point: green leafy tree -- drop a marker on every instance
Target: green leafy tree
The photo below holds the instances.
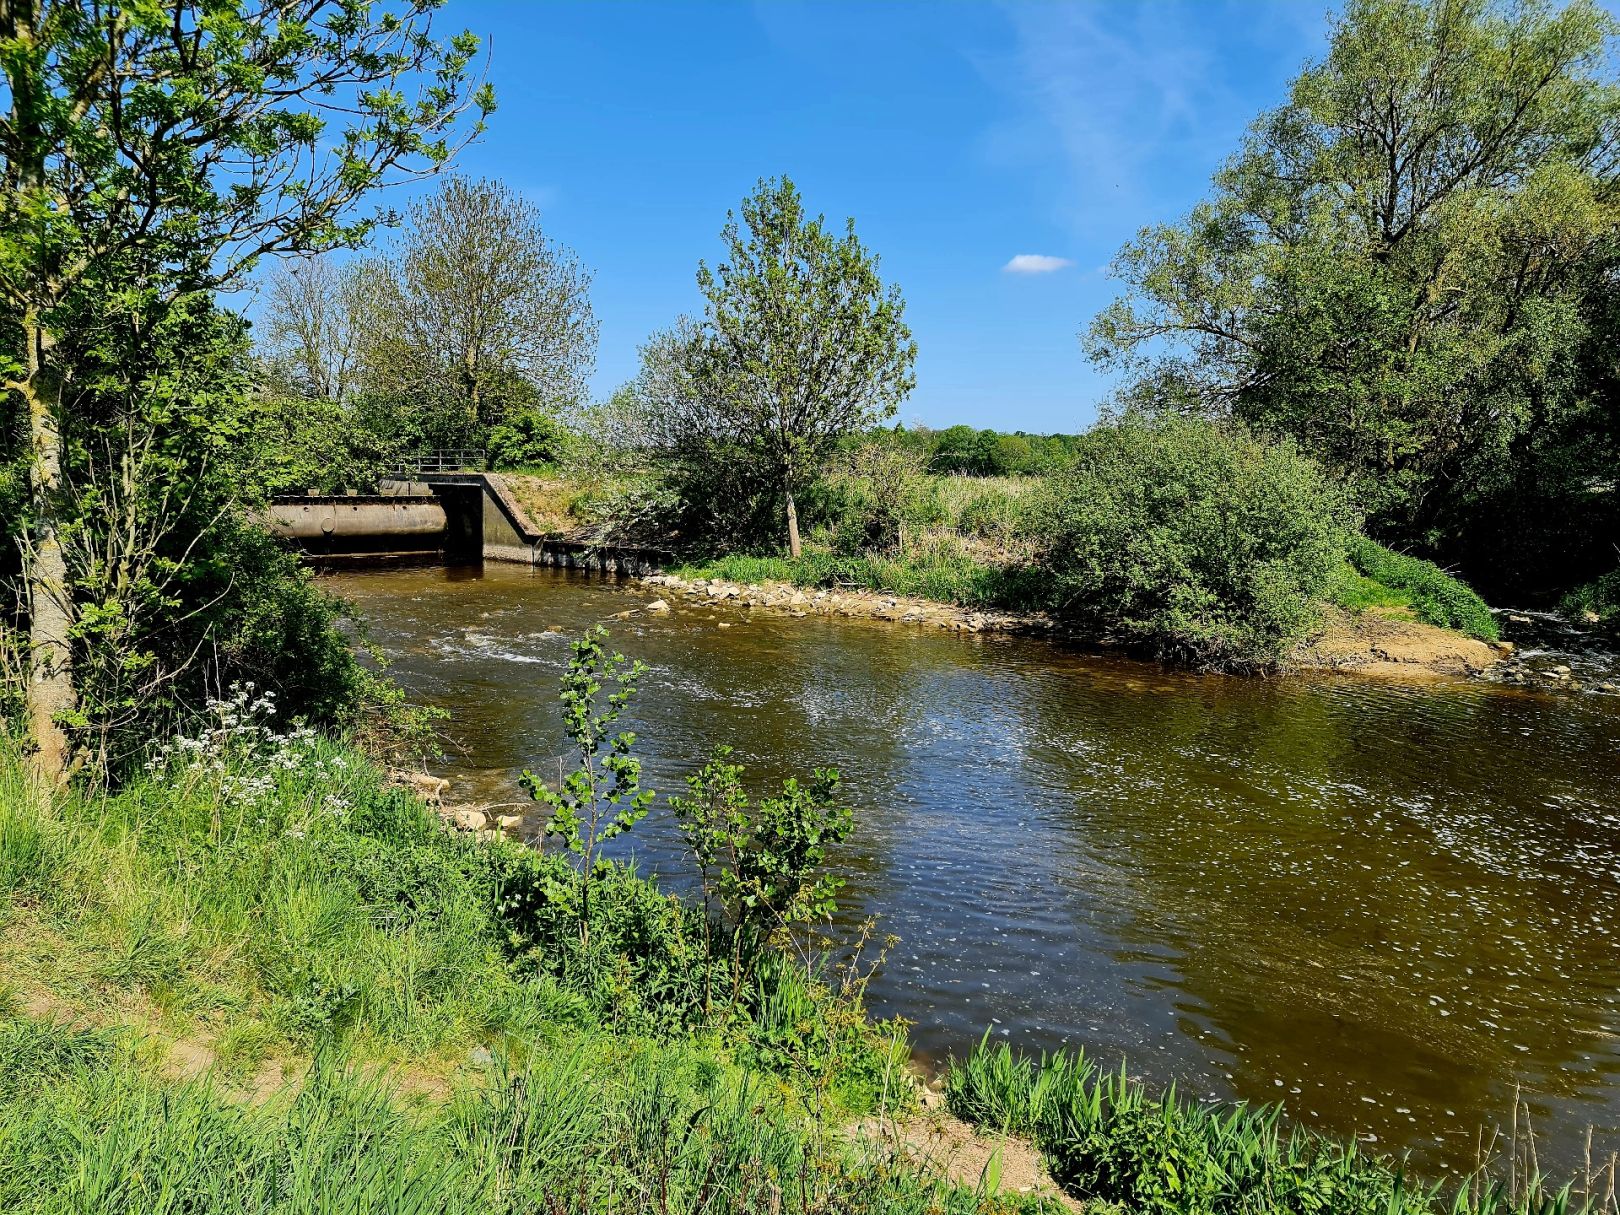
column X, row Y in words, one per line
column 156, row 151
column 801, row 344
column 602, row 797
column 1400, row 266
column 479, row 308
column 762, row 864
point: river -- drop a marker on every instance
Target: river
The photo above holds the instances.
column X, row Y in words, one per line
column 1386, row 905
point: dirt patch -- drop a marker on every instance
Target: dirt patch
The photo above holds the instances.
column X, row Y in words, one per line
column 939, row 1142
column 1394, row 646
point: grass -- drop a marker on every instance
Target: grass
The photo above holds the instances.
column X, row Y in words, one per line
column 941, row 571
column 597, row 1126
column 1599, row 598
column 1380, row 577
column 257, row 978
column 1108, row 1139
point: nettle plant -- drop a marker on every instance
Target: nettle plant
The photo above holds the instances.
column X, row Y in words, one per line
column 602, row 797
column 762, row 863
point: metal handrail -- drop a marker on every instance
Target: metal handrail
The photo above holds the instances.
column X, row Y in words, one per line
column 443, row 461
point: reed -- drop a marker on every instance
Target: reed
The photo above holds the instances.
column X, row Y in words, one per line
column 1107, row 1138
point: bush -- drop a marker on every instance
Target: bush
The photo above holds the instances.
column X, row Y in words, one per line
column 1600, row 598
column 1196, row 541
column 1435, row 596
column 528, row 438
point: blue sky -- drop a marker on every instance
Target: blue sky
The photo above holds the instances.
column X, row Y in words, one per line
column 958, row 135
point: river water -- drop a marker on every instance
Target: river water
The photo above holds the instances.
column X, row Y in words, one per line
column 1385, row 905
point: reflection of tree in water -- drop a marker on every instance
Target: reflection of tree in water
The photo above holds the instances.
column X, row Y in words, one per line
column 1358, row 905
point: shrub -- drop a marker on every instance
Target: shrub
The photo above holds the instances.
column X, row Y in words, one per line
column 529, row 437
column 1194, row 540
column 1600, row 598
column 1436, row 597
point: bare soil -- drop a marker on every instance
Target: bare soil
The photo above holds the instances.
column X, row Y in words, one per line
column 1390, row 644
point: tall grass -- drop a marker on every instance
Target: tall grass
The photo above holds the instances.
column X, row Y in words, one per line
column 595, row 1126
column 1107, row 1138
column 1434, row 595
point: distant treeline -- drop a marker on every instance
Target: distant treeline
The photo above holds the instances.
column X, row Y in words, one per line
column 987, row 453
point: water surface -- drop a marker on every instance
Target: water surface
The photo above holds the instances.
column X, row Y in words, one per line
column 1386, row 905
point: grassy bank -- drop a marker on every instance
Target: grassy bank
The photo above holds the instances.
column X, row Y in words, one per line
column 1109, row 1140
column 257, row 978
column 1376, row 577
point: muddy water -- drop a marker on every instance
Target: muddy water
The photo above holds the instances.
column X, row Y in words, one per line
column 1385, row 905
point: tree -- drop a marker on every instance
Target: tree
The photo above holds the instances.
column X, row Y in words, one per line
column 155, row 152
column 602, row 797
column 800, row 344
column 1398, row 266
column 479, row 306
column 311, row 326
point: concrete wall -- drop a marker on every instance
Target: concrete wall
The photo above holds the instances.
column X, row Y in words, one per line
column 463, row 516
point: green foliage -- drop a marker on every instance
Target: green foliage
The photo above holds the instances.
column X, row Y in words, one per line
column 1194, row 540
column 991, row 453
column 595, row 1127
column 1435, row 596
column 527, row 439
column 747, row 405
column 1408, row 266
column 1107, row 1139
column 602, row 797
column 763, row 863
column 878, row 501
column 1599, row 598
column 296, row 445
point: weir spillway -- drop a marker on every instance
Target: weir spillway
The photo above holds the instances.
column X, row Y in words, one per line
column 456, row 517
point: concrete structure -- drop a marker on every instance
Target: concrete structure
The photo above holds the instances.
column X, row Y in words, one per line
column 461, row 517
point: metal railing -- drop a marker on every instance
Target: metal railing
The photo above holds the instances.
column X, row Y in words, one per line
column 443, row 461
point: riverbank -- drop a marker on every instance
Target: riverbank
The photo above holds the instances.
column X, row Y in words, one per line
column 263, row 979
column 260, row 978
column 1372, row 643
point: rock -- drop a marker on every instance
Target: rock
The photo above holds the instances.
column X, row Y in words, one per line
column 1517, row 619
column 797, row 599
column 426, row 786
column 468, row 820
column 658, row 607
column 1561, row 670
column 1503, row 647
column 509, row 822
column 724, row 624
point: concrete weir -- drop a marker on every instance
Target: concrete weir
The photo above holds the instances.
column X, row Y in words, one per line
column 457, row 517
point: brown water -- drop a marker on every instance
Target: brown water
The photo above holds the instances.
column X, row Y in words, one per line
column 1384, row 905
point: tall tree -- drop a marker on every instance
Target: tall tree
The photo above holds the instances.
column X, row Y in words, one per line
column 801, row 342
column 479, row 305
column 311, row 328
column 1397, row 267
column 156, row 151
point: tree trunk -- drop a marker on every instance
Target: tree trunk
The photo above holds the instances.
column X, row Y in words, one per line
column 50, row 661
column 793, row 526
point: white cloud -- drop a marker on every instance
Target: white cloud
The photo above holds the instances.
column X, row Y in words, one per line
column 1036, row 263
